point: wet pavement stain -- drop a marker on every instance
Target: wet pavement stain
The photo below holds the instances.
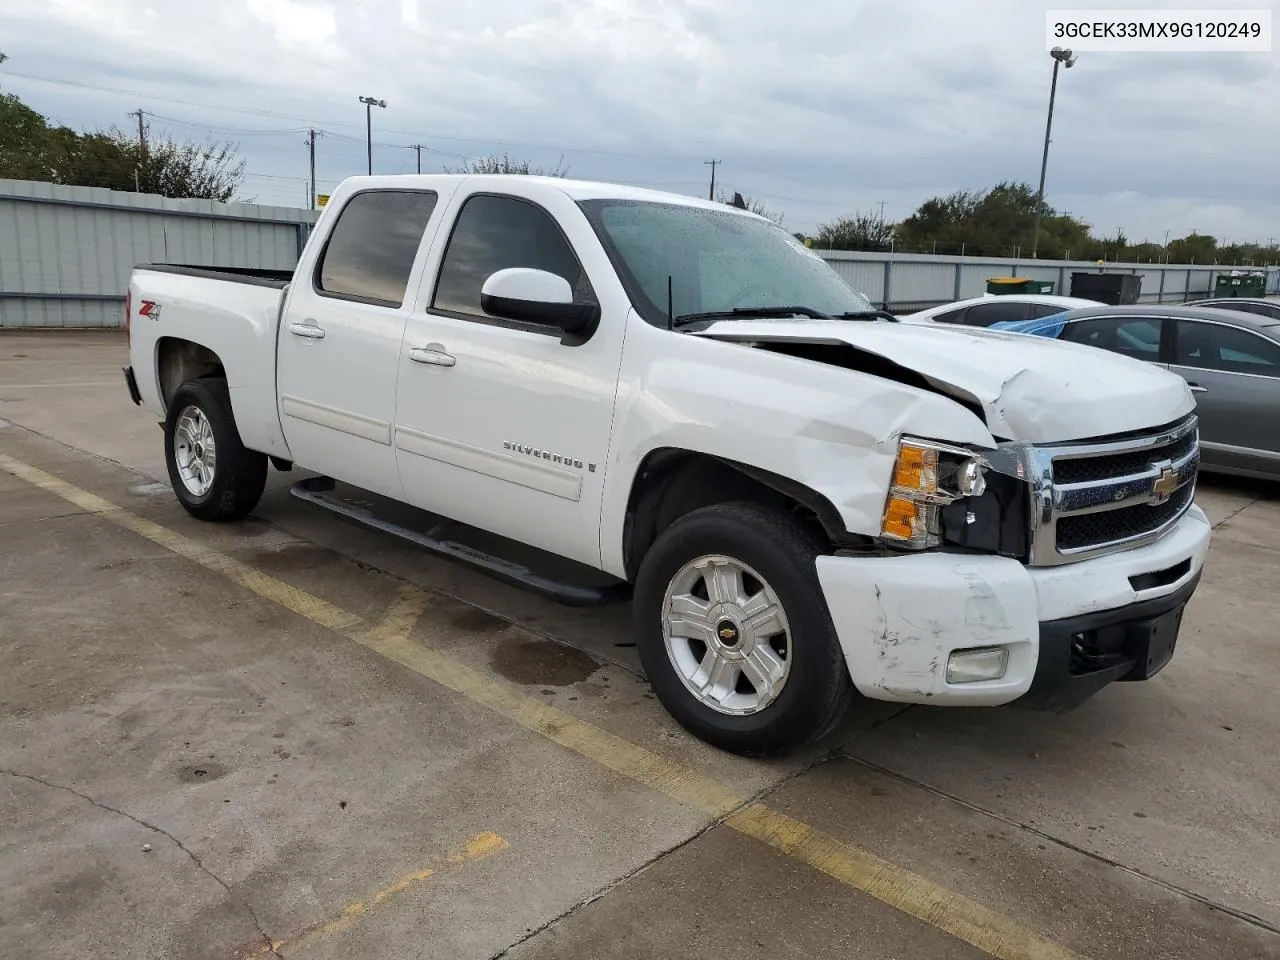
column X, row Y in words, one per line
column 294, row 556
column 469, row 618
column 541, row 663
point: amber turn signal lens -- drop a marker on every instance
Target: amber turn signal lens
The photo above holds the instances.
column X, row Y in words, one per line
column 916, row 469
column 899, row 519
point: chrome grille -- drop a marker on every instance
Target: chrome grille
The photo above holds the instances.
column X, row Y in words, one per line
column 1111, row 494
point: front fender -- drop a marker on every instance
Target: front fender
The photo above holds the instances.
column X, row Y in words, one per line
column 830, row 429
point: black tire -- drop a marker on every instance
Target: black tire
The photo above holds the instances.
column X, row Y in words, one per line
column 239, row 475
column 817, row 691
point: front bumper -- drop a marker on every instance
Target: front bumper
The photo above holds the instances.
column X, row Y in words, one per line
column 1069, row 630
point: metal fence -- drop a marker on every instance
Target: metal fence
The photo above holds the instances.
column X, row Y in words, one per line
column 902, row 282
column 66, row 252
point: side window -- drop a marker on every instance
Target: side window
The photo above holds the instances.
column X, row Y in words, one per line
column 495, row 233
column 371, row 250
column 1210, row 346
column 951, row 316
column 1137, row 337
column 1039, row 310
column 997, row 311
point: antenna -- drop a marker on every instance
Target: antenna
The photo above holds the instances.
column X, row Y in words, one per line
column 670, row 317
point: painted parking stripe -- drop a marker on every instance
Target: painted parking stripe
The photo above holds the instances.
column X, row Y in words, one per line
column 479, row 847
column 909, row 892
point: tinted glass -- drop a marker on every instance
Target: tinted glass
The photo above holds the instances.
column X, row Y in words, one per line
column 1271, row 310
column 495, row 233
column 715, row 261
column 1132, row 336
column 371, row 251
column 951, row 316
column 1209, row 346
column 1039, row 310
column 997, row 311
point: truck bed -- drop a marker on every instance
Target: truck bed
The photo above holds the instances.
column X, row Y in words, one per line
column 279, row 279
column 232, row 314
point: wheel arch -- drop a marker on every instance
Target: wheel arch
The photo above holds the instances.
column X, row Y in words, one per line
column 179, row 360
column 672, row 482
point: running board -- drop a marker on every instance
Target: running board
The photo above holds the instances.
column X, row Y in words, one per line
column 321, row 491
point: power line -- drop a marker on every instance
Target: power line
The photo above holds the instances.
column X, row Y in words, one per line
column 344, row 123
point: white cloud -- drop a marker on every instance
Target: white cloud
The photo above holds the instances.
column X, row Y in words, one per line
column 825, row 107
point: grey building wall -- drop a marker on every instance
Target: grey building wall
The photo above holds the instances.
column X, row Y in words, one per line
column 908, row 281
column 66, row 252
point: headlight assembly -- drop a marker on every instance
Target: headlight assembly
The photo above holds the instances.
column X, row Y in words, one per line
column 928, row 476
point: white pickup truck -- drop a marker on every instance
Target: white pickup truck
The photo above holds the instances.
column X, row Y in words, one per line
column 801, row 497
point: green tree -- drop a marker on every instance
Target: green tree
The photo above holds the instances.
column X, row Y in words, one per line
column 32, row 149
column 858, row 231
column 1193, row 248
column 994, row 223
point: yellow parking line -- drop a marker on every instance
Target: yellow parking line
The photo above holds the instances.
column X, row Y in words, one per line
column 959, row 916
column 479, row 847
column 268, row 587
column 945, row 909
column 403, row 614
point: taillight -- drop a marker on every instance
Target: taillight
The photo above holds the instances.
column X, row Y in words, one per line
column 128, row 314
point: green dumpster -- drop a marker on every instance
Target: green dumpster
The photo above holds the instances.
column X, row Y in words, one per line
column 1241, row 285
column 1002, row 285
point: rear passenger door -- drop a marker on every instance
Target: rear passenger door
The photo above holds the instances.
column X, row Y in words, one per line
column 339, row 343
column 1235, row 375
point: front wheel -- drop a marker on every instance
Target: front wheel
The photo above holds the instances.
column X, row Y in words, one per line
column 734, row 633
column 213, row 476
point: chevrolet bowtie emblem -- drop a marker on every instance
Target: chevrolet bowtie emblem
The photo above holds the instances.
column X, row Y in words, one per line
column 728, row 633
column 1164, row 486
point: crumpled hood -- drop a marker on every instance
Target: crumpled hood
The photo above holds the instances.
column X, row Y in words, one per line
column 1028, row 387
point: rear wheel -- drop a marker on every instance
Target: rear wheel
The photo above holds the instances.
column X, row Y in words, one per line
column 213, row 476
column 734, row 633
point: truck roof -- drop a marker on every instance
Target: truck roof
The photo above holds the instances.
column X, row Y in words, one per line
column 574, row 189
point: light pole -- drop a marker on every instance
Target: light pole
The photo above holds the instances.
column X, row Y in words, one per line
column 1060, row 57
column 369, row 104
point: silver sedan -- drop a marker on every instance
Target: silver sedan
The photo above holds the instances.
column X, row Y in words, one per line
column 1230, row 358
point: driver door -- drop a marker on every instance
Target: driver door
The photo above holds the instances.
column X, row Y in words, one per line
column 504, row 425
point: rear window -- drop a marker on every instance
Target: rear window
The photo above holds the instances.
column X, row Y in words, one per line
column 371, row 250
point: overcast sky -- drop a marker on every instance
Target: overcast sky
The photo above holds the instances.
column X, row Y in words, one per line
column 817, row 108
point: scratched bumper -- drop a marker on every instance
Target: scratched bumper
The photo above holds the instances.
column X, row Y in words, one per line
column 899, row 618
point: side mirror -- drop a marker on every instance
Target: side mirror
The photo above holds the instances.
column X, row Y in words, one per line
column 541, row 297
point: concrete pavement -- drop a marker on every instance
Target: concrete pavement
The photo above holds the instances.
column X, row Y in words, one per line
column 335, row 745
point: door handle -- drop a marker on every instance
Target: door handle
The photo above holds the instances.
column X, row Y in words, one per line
column 432, row 353
column 1196, row 388
column 308, row 330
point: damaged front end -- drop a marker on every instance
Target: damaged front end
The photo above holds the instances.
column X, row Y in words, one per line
column 966, row 499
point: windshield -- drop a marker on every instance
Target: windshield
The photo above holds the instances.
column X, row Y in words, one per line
column 717, row 261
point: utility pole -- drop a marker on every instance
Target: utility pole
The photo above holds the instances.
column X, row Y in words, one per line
column 311, row 147
column 882, row 211
column 711, row 194
column 369, row 104
column 142, row 147
column 1060, row 57
column 418, row 149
